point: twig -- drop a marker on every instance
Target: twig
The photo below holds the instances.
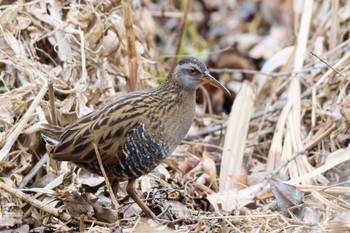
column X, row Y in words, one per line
column 108, row 184
column 343, row 60
column 329, row 66
column 240, row 216
column 131, row 47
column 233, row 227
column 33, row 171
column 203, row 144
column 193, row 16
column 272, row 74
column 34, row 202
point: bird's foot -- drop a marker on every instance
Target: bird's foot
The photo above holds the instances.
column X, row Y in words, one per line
column 158, row 218
column 166, row 221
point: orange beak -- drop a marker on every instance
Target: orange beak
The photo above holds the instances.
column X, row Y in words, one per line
column 207, row 78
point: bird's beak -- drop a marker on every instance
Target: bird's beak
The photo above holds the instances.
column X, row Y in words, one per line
column 207, row 78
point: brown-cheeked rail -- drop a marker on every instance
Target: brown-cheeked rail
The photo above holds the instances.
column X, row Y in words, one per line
column 135, row 132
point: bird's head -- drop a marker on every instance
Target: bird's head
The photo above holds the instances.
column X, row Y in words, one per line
column 190, row 73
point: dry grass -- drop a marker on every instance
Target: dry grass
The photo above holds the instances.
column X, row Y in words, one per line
column 296, row 127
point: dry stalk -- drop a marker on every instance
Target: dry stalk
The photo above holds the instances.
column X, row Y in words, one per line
column 187, row 6
column 131, row 45
column 22, row 123
column 52, row 102
column 236, row 133
column 34, row 202
column 33, row 171
column 293, row 134
column 334, row 24
column 108, row 184
column 334, row 159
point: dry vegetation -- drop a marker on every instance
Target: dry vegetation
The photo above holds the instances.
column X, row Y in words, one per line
column 276, row 161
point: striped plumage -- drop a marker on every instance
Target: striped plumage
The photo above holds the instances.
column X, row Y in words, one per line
column 135, row 132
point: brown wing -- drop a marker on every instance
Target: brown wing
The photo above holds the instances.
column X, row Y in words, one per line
column 51, row 133
column 106, row 127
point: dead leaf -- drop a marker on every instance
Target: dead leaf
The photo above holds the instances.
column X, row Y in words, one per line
column 229, row 200
column 209, row 168
column 177, row 209
column 76, row 204
column 85, row 177
column 188, row 164
column 44, row 180
column 149, row 226
column 22, row 229
column 240, row 180
column 286, row 195
column 105, row 214
column 10, row 215
column 256, row 178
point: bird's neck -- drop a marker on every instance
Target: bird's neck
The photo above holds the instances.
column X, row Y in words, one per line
column 180, row 109
column 170, row 84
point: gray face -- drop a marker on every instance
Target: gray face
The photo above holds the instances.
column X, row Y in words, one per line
column 189, row 72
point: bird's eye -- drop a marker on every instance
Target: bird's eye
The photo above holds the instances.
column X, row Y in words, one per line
column 194, row 71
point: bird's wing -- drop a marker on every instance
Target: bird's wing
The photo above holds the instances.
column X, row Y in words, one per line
column 51, row 133
column 107, row 128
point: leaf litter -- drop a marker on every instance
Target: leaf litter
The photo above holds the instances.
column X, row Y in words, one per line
column 286, row 63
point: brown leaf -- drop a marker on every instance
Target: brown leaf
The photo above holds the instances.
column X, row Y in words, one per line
column 10, row 215
column 209, row 168
column 105, row 214
column 149, row 226
column 21, row 229
column 178, row 209
column 87, row 178
column 240, row 180
column 188, row 164
column 229, row 200
column 44, row 180
column 286, row 195
column 76, row 204
column 256, row 178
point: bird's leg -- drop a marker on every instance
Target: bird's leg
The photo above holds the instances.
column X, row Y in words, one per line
column 130, row 189
column 115, row 188
column 115, row 185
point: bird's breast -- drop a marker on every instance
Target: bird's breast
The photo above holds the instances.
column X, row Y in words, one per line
column 178, row 121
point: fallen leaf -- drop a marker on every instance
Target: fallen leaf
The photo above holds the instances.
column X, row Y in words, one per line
column 188, row 164
column 22, row 229
column 240, row 180
column 10, row 215
column 286, row 195
column 177, row 209
column 209, row 168
column 87, row 178
column 229, row 200
column 76, row 204
column 105, row 214
column 149, row 226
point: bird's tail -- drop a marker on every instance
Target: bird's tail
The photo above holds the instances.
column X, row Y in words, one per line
column 51, row 133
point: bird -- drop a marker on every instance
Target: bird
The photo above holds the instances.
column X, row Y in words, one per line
column 135, row 132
